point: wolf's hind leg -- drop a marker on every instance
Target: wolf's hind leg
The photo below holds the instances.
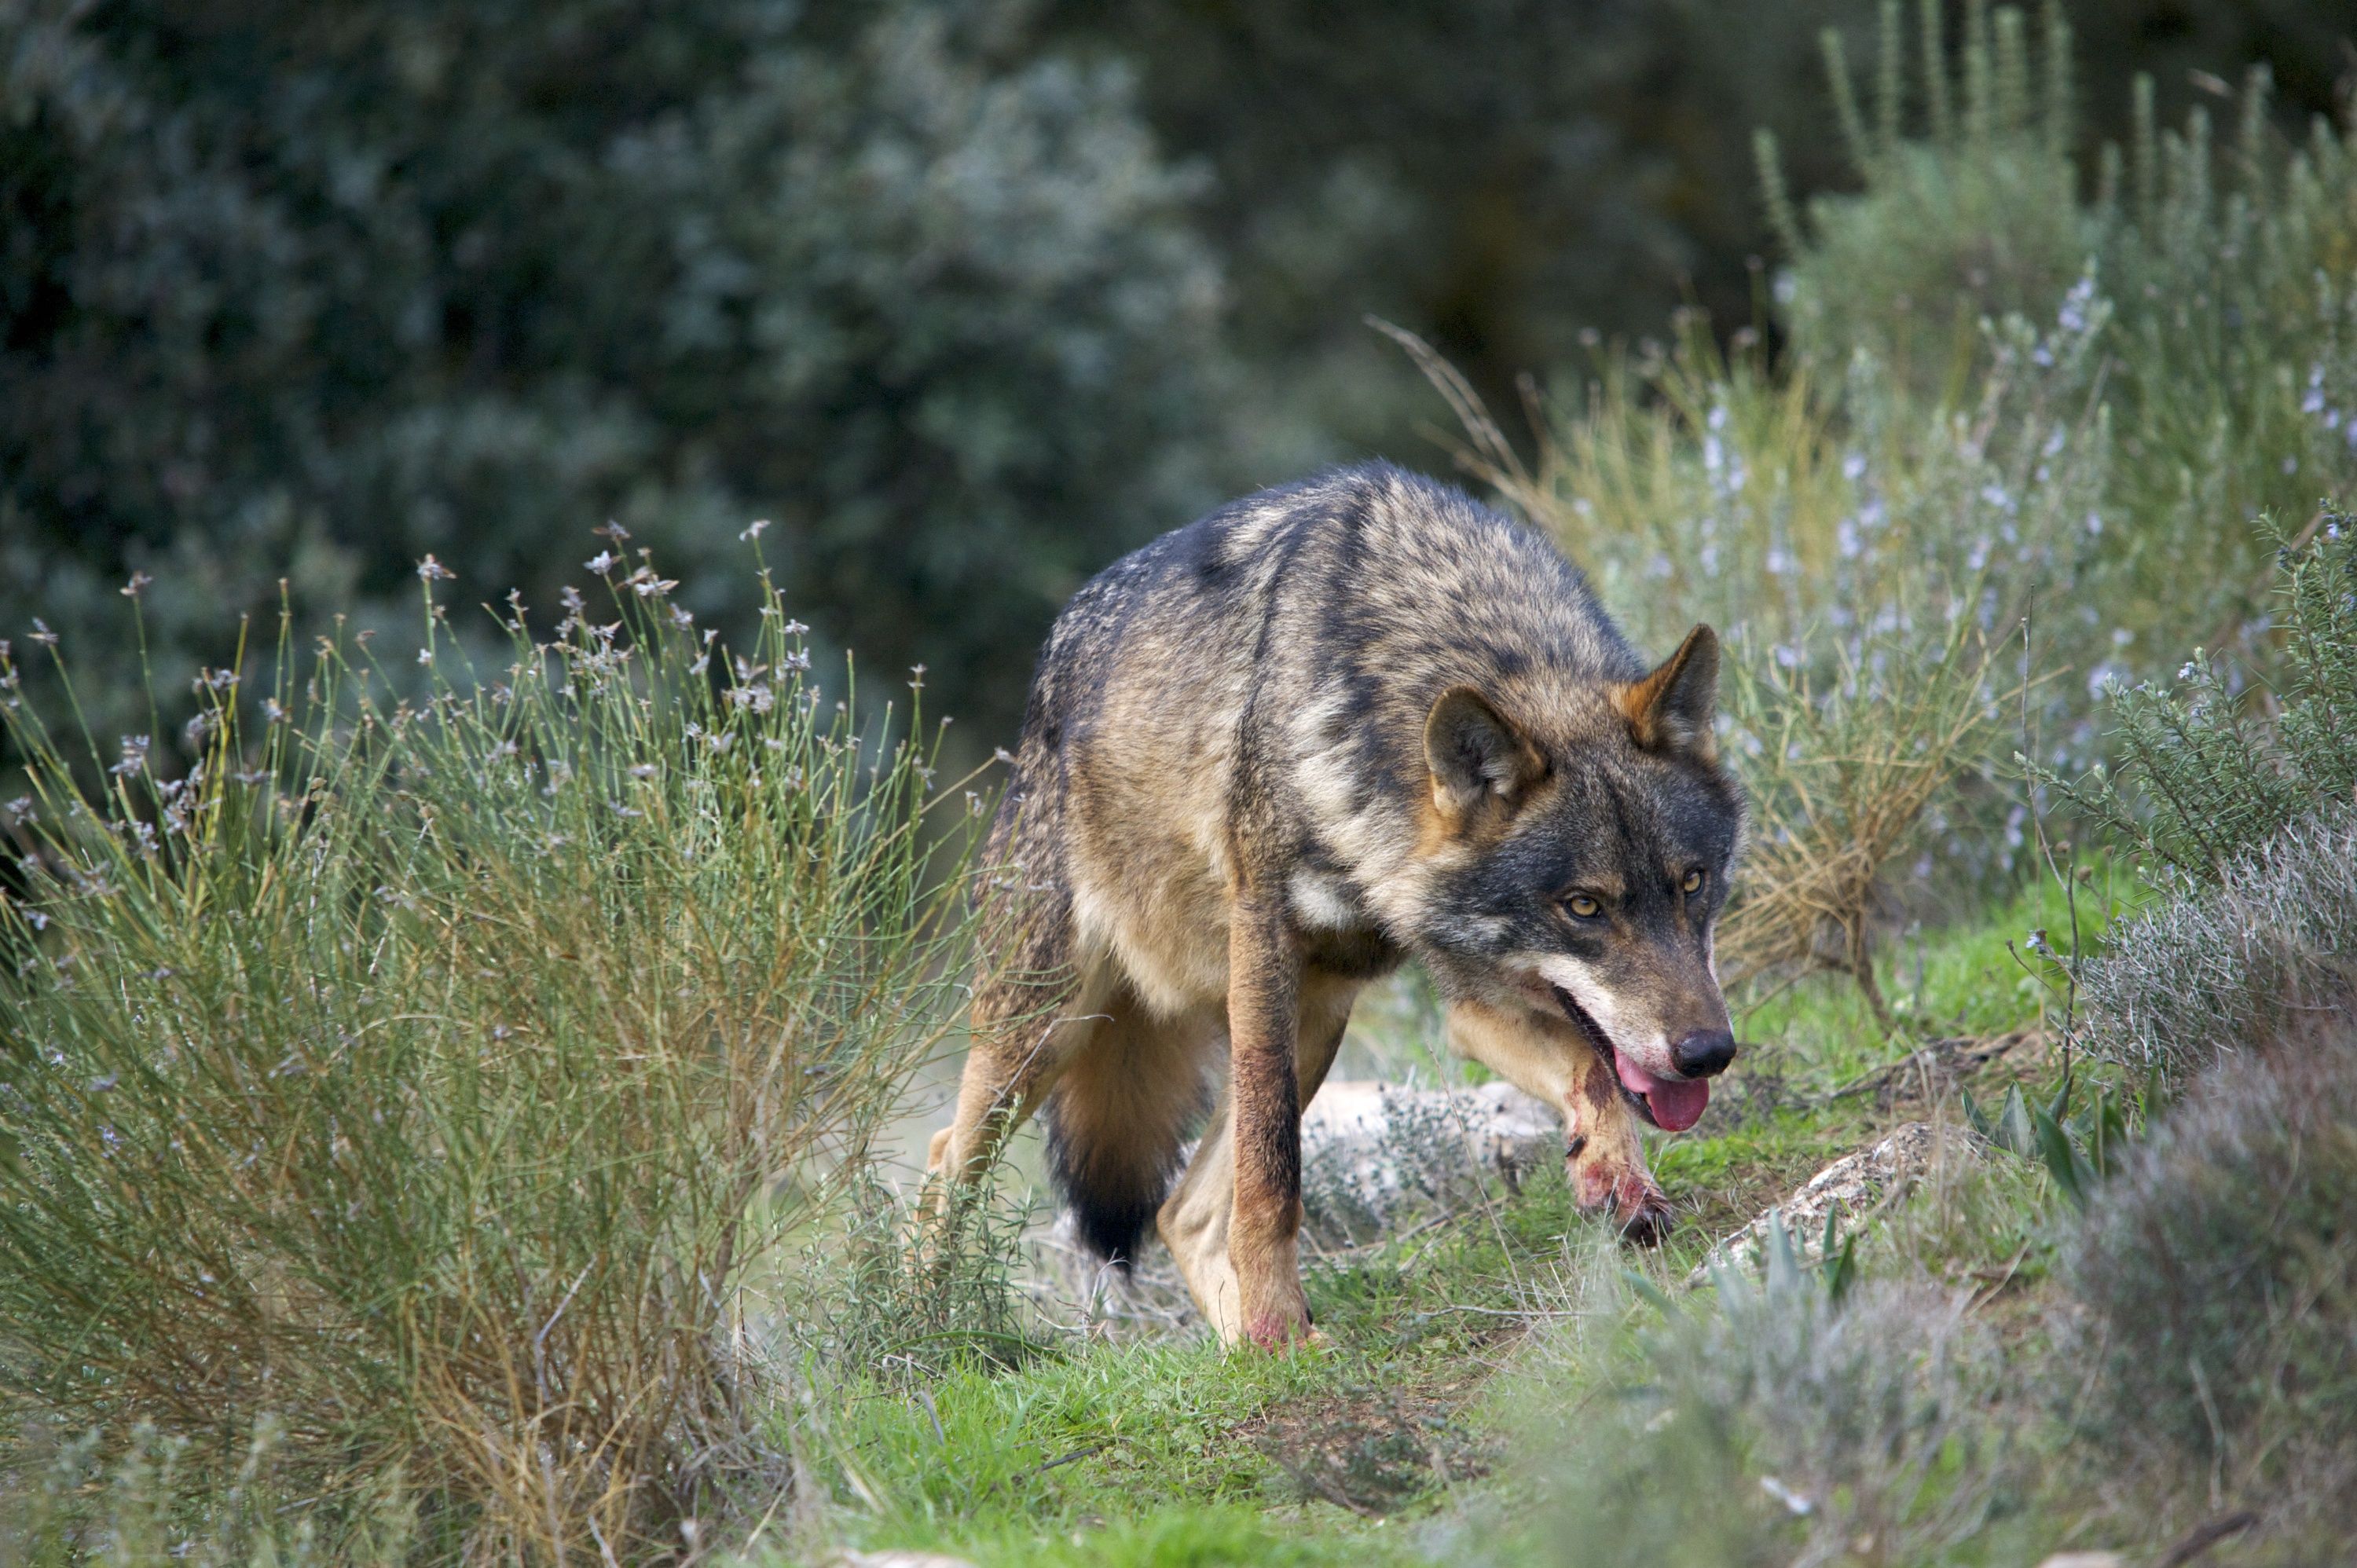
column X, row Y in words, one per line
column 1025, row 1033
column 1118, row 1113
column 1195, row 1222
column 1551, row 1060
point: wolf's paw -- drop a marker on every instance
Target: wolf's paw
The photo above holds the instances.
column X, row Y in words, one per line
column 1644, row 1216
column 1278, row 1331
column 1612, row 1188
column 1280, row 1325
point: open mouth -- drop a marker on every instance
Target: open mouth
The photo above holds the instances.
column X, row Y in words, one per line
column 1673, row 1104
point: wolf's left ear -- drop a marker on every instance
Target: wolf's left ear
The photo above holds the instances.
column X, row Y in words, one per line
column 1672, row 708
column 1477, row 755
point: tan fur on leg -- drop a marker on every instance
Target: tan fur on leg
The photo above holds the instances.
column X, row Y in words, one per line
column 1195, row 1222
column 1549, row 1060
column 1021, row 1047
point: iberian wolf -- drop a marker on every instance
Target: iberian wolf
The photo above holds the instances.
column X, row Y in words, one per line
column 1269, row 757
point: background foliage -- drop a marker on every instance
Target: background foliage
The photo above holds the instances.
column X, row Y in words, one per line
column 967, row 295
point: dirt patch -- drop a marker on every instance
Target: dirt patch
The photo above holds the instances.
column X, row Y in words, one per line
column 1373, row 1450
column 1745, row 1189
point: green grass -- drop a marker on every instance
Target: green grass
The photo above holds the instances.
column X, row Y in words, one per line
column 1168, row 1452
column 1159, row 1450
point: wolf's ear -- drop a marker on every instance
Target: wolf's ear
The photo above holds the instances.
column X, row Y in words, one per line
column 1672, row 708
column 1476, row 755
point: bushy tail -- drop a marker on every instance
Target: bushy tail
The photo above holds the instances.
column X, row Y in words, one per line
column 1117, row 1126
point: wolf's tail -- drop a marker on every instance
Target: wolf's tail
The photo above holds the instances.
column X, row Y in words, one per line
column 1117, row 1124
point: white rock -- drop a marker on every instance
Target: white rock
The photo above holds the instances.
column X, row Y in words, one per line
column 1374, row 1153
column 1851, row 1185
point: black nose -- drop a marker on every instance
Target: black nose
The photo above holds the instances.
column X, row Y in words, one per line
column 1704, row 1053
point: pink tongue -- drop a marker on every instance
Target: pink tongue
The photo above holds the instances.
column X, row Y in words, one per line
column 1676, row 1104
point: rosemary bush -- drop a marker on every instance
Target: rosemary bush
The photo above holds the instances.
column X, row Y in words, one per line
column 2209, row 972
column 1782, row 1419
column 2219, row 285
column 418, row 1075
column 2200, row 779
column 2210, row 1314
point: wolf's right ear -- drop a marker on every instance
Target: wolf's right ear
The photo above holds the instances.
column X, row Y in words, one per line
column 1476, row 755
column 1673, row 708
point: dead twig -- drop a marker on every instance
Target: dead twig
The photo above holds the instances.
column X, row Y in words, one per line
column 2197, row 1540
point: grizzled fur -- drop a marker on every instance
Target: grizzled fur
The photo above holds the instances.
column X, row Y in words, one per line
column 1275, row 754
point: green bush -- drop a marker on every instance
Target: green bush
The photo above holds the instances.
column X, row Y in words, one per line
column 2200, row 780
column 1785, row 1421
column 68, row 1499
column 424, row 1077
column 2215, row 283
column 2201, row 975
column 1978, row 218
column 2214, row 1289
column 300, row 295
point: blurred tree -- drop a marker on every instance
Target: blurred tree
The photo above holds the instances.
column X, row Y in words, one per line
column 1499, row 175
column 313, row 291
column 967, row 295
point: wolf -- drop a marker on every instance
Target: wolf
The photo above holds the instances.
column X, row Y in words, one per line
column 1268, row 759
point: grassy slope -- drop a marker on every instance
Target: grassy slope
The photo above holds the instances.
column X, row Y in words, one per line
column 1370, row 1450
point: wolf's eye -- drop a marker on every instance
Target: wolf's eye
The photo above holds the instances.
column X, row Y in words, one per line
column 1581, row 905
column 1693, row 883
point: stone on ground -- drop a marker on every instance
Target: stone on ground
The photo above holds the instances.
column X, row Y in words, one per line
column 1852, row 1188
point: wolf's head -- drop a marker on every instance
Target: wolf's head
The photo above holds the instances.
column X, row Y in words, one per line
column 1578, row 858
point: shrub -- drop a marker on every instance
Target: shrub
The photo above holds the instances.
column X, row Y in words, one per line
column 2217, row 279
column 1976, row 219
column 1838, row 780
column 2214, row 1288
column 299, row 297
column 2208, row 779
column 1785, row 1425
column 138, row 1501
column 2200, row 977
column 867, row 1302
column 420, row 1076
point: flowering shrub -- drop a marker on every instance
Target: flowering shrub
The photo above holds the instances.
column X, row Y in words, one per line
column 425, row 1075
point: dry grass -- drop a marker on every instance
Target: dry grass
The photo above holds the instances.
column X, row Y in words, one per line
column 1838, row 785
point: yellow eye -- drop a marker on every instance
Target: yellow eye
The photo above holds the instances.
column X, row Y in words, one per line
column 1693, row 883
column 1581, row 905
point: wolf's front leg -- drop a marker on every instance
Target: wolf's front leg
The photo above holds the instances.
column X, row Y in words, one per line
column 1549, row 1060
column 1264, row 1123
column 1199, row 1217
